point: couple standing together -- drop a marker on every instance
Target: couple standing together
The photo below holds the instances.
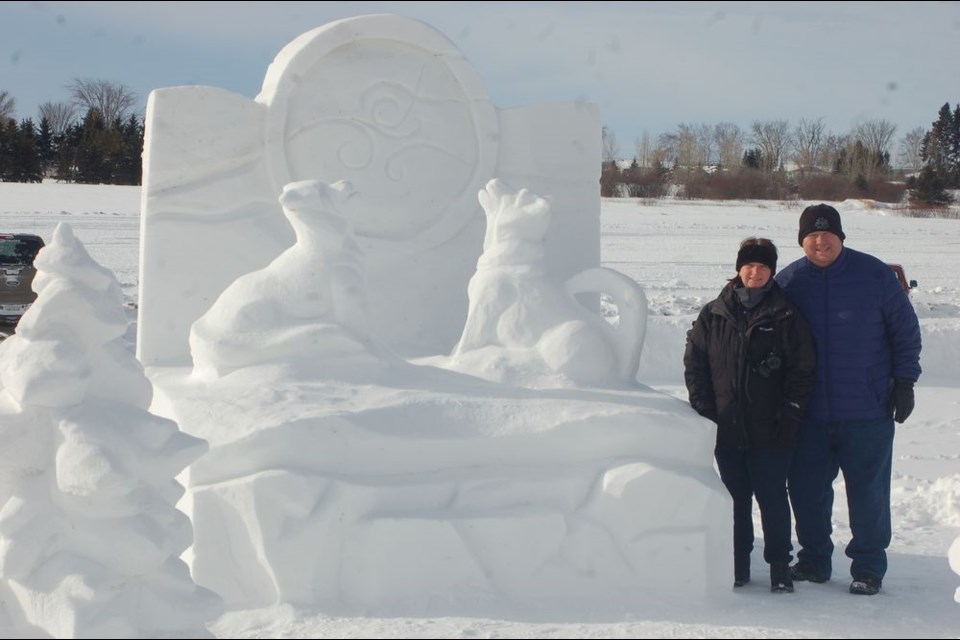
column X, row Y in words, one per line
column 804, row 374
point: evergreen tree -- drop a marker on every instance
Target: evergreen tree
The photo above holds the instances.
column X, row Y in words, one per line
column 28, row 154
column 21, row 158
column 8, row 105
column 97, row 144
column 67, row 145
column 8, row 131
column 45, row 146
column 609, row 179
column 938, row 148
column 128, row 166
column 940, row 152
column 928, row 188
column 753, row 158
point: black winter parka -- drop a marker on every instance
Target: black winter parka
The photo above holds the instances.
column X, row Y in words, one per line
column 750, row 371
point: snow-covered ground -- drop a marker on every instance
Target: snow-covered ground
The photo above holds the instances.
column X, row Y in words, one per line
column 681, row 252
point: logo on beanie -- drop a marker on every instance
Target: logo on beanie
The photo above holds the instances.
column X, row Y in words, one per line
column 822, row 224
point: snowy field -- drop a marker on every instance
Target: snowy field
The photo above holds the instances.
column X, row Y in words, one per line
column 681, row 253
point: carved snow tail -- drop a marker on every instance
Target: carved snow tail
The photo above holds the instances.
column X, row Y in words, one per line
column 631, row 302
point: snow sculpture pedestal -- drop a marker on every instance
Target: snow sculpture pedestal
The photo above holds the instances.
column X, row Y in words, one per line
column 423, row 491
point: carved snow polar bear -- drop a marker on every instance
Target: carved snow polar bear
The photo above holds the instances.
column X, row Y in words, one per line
column 522, row 322
column 308, row 305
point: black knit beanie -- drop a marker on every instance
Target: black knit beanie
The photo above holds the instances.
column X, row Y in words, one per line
column 762, row 253
column 820, row 217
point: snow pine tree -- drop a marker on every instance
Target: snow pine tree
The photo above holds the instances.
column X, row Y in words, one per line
column 90, row 537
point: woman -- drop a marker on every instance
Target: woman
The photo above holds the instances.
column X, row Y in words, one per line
column 749, row 365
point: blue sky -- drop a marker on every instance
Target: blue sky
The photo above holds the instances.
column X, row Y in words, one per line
column 649, row 65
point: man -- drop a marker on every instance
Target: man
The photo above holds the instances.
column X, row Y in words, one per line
column 868, row 359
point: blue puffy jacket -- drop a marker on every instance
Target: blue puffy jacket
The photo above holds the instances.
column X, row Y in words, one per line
column 865, row 329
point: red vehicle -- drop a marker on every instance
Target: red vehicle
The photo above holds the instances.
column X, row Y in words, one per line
column 902, row 277
column 17, row 251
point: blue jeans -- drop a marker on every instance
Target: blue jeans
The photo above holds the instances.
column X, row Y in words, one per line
column 863, row 450
column 761, row 472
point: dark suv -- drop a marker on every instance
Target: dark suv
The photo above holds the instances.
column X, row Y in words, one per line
column 17, row 251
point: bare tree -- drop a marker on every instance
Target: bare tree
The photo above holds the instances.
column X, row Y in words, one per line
column 59, row 115
column 8, row 105
column 112, row 100
column 874, row 136
column 703, row 135
column 610, row 148
column 772, row 137
column 867, row 154
column 683, row 146
column 610, row 175
column 644, row 150
column 659, row 157
column 728, row 138
column 911, row 146
column 833, row 149
column 668, row 148
column 808, row 140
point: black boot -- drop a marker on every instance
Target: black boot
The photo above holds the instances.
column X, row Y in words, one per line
column 866, row 586
column 741, row 569
column 780, row 580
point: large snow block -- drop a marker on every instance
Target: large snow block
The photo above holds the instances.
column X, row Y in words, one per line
column 375, row 497
column 389, row 104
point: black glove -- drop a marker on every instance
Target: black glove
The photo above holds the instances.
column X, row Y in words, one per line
column 901, row 400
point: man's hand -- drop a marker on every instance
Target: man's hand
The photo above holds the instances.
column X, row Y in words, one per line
column 901, row 400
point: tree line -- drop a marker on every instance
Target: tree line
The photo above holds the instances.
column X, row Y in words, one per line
column 773, row 160
column 94, row 138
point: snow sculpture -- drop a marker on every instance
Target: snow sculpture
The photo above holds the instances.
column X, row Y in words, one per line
column 391, row 105
column 343, row 478
column 90, row 538
column 415, row 488
column 534, row 323
column 308, row 304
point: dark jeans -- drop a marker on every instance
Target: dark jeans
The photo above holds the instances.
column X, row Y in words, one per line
column 863, row 450
column 761, row 472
